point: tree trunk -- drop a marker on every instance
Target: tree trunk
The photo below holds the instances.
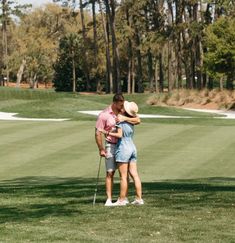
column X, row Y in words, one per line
column 94, row 31
column 192, row 76
column 109, row 77
column 188, row 74
column 210, row 83
column 161, row 73
column 133, row 76
column 98, row 83
column 85, row 62
column 198, row 53
column 130, row 57
column 178, row 43
column 5, row 42
column 33, row 80
column 129, row 79
column 139, row 63
column 157, row 75
column 204, row 80
column 198, row 65
column 171, row 67
column 229, row 83
column 20, row 73
column 110, row 10
column 221, row 83
column 74, row 73
column 150, row 70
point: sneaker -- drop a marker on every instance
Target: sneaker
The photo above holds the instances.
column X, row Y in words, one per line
column 126, row 200
column 108, row 203
column 120, row 203
column 138, row 202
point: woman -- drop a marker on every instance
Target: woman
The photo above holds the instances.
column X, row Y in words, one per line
column 126, row 156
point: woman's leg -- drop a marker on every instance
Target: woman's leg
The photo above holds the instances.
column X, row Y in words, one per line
column 135, row 176
column 123, row 172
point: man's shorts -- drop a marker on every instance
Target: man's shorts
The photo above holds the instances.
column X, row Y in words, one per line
column 110, row 161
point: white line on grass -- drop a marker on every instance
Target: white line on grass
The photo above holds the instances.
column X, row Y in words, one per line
column 227, row 114
column 96, row 113
column 11, row 117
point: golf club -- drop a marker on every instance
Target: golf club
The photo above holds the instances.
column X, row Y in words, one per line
column 97, row 180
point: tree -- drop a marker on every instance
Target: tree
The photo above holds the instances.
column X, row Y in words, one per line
column 7, row 9
column 34, row 42
column 68, row 74
column 220, row 55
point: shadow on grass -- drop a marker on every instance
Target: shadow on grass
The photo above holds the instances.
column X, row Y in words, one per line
column 29, row 198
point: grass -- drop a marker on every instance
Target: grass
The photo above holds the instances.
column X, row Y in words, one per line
column 48, row 104
column 48, row 170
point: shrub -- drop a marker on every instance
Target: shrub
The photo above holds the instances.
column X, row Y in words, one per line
column 222, row 99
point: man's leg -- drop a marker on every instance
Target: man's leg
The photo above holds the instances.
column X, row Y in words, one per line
column 110, row 170
column 109, row 184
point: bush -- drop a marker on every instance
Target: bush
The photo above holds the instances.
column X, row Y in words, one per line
column 222, row 99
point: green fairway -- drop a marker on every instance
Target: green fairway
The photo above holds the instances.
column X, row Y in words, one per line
column 48, row 174
column 47, row 182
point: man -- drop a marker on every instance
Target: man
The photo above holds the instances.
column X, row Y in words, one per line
column 107, row 122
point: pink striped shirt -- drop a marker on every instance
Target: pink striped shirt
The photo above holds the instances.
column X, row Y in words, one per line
column 106, row 121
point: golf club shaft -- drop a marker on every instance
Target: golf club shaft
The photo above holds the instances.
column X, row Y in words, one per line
column 97, row 180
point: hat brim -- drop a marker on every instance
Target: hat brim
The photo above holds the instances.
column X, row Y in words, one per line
column 127, row 108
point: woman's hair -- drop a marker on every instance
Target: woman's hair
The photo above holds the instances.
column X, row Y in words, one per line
column 126, row 114
column 118, row 97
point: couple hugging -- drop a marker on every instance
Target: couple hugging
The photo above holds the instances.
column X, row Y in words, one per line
column 116, row 123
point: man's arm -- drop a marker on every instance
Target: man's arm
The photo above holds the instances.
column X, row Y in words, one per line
column 99, row 142
column 133, row 120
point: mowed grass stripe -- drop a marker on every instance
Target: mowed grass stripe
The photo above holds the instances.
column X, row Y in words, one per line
column 163, row 150
column 28, row 137
column 40, row 146
column 180, row 156
column 148, row 135
column 72, row 161
column 221, row 163
column 205, row 148
column 163, row 141
column 29, row 130
column 8, row 127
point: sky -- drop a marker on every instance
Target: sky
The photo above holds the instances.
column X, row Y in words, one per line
column 35, row 3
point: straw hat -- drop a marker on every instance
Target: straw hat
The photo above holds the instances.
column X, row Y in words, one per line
column 131, row 108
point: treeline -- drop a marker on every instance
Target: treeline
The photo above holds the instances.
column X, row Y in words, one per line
column 130, row 46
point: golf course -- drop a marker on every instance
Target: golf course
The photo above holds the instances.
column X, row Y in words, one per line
column 48, row 173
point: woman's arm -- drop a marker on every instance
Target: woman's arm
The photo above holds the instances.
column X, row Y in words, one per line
column 117, row 134
column 131, row 120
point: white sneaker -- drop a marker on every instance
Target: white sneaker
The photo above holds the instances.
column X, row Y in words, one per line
column 120, row 203
column 138, row 202
column 126, row 200
column 108, row 203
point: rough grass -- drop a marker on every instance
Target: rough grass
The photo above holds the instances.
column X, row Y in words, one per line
column 219, row 99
